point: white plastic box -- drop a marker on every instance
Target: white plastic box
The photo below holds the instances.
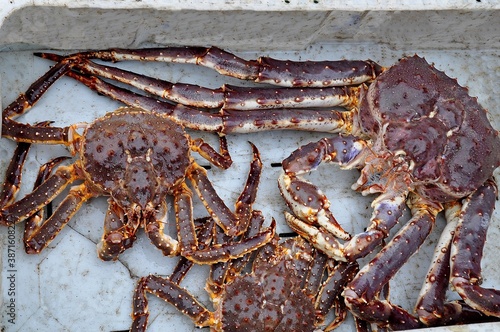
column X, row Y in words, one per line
column 67, row 287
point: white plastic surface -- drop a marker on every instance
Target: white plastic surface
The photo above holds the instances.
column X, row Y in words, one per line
column 67, row 287
column 249, row 25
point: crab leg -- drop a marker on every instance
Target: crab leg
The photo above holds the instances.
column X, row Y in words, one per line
column 140, row 315
column 243, row 205
column 331, row 290
column 467, row 245
column 13, row 173
column 263, row 70
column 254, row 228
column 13, row 176
column 340, row 313
column 220, row 159
column 219, row 271
column 41, row 196
column 361, row 325
column 119, row 233
column 13, row 180
column 312, row 218
column 223, row 122
column 232, row 224
column 431, row 297
column 41, row 236
column 172, row 293
column 224, row 272
column 227, row 97
column 316, row 273
column 218, row 252
column 227, row 121
column 431, row 307
column 361, row 294
column 248, row 245
column 25, row 133
column 467, row 251
column 35, row 221
column 223, row 216
column 204, row 233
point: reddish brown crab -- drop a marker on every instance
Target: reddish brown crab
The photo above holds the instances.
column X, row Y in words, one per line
column 282, row 291
column 427, row 139
column 137, row 158
column 412, row 130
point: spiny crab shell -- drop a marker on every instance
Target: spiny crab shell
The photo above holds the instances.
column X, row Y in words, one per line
column 124, row 161
column 271, row 298
column 430, row 123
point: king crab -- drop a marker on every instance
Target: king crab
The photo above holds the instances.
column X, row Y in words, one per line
column 286, row 290
column 137, row 159
column 382, row 106
column 431, row 146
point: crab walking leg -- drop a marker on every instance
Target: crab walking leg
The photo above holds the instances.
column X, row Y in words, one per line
column 42, row 236
column 362, row 325
column 41, row 196
column 224, row 272
column 340, row 312
column 36, row 220
column 361, row 294
column 13, row 180
column 331, row 289
column 172, row 293
column 140, row 315
column 238, row 264
column 263, row 70
column 316, row 273
column 432, row 308
column 41, row 232
column 216, row 253
column 227, row 121
column 219, row 271
column 467, row 251
column 232, row 223
column 220, row 159
column 223, row 216
column 226, row 97
column 27, row 99
column 13, row 173
column 31, row 134
column 243, row 205
column 204, row 233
